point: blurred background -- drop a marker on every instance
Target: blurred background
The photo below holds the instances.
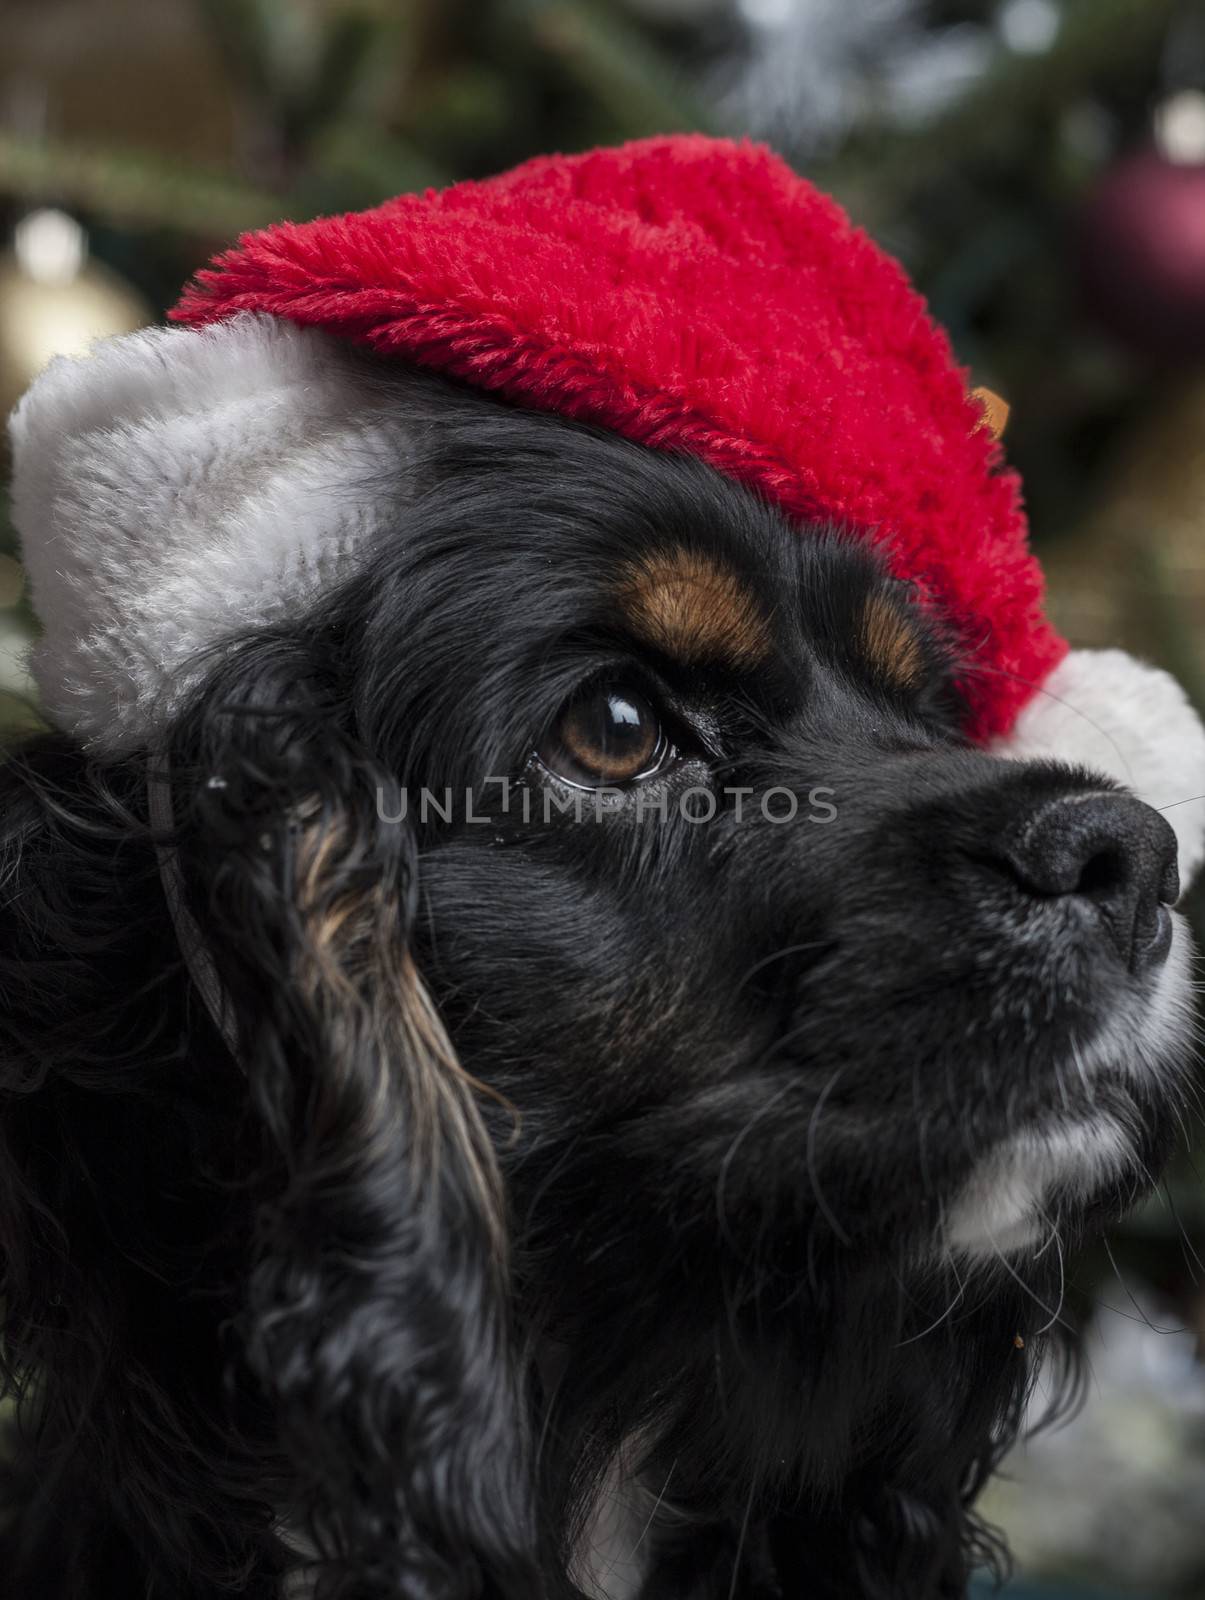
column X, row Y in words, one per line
column 1039, row 165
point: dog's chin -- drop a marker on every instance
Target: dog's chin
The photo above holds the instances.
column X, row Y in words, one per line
column 1104, row 1137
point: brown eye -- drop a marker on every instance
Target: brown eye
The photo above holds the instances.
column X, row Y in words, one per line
column 605, row 736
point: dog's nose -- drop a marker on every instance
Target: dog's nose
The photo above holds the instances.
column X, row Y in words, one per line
column 1107, row 849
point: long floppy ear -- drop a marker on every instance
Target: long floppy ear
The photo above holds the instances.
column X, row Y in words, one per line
column 376, row 1313
column 178, row 492
column 129, row 1465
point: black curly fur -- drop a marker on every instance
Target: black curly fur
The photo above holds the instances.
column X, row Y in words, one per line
column 517, row 1168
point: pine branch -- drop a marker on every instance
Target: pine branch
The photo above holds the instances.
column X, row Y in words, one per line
column 133, row 188
column 613, row 64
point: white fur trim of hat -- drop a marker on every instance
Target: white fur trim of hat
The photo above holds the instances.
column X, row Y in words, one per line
column 177, row 486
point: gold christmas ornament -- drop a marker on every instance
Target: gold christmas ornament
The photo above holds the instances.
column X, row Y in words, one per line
column 55, row 301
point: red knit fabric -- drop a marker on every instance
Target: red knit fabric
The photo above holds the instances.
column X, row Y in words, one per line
column 695, row 295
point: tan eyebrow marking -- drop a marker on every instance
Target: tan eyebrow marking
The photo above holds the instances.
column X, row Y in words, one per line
column 891, row 642
column 694, row 609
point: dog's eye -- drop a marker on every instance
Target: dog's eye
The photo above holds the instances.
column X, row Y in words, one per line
column 606, row 735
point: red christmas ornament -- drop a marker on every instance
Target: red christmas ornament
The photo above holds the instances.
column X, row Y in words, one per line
column 1142, row 255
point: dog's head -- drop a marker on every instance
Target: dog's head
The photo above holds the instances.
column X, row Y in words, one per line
column 656, row 1032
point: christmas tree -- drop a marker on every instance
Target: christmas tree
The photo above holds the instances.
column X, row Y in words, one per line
column 1039, row 165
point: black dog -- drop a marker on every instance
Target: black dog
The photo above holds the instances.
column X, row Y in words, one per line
column 669, row 1064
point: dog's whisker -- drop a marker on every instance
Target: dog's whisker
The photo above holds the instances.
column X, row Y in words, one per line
column 730, row 1154
column 740, row 1543
column 813, row 1175
column 1139, row 1313
column 781, row 955
column 1054, row 1313
column 937, row 1321
column 657, row 1504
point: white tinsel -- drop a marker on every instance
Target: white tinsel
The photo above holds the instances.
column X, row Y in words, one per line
column 814, row 70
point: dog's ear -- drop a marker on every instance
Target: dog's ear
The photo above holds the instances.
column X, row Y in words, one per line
column 376, row 1314
column 174, row 490
column 121, row 1468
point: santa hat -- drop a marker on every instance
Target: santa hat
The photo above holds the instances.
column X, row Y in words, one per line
column 691, row 294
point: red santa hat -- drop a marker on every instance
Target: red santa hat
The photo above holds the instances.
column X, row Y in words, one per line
column 692, row 294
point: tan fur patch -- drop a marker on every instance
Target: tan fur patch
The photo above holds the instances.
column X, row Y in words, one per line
column 890, row 642
column 694, row 610
column 361, row 983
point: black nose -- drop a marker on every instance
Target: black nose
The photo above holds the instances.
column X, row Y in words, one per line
column 1107, row 849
